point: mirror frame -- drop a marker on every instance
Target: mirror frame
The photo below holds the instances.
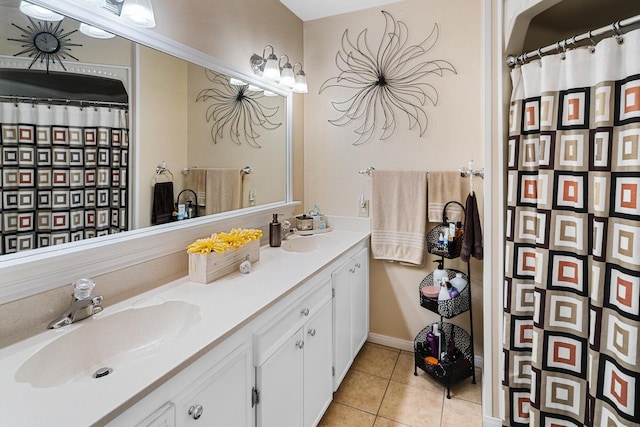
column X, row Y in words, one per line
column 29, row 273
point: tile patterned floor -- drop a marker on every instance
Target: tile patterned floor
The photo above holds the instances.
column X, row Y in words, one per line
column 380, row 390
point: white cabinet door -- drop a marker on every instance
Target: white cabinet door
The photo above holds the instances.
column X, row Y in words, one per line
column 163, row 417
column 341, row 279
column 279, row 380
column 318, row 360
column 359, row 300
column 223, row 395
column 350, row 311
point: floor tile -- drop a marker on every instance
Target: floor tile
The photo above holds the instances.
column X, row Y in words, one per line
column 466, row 390
column 376, row 359
column 413, row 406
column 362, row 391
column 339, row 415
column 383, row 422
column 461, row 413
column 403, row 373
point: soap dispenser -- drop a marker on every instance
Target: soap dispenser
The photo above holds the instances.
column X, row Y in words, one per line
column 439, row 273
column 275, row 232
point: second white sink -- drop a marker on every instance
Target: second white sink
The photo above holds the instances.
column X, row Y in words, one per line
column 308, row 243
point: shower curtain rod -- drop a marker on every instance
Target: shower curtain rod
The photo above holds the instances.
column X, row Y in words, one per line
column 57, row 101
column 615, row 28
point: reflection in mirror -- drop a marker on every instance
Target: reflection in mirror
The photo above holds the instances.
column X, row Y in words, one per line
column 168, row 124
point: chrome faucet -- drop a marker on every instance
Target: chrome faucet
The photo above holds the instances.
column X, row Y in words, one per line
column 83, row 305
column 287, row 230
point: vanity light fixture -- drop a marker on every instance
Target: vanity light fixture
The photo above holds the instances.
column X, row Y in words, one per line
column 300, row 85
column 139, row 12
column 39, row 12
column 270, row 68
column 95, row 32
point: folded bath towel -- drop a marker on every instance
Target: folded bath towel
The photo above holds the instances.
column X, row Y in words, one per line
column 218, row 189
column 162, row 208
column 399, row 215
column 472, row 239
column 445, row 186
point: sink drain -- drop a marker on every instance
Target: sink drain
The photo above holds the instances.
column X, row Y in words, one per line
column 102, row 372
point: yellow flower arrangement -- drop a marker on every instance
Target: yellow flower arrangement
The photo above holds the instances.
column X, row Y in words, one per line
column 221, row 242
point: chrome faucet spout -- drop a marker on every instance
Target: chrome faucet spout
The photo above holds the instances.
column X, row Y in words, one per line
column 78, row 309
column 286, row 232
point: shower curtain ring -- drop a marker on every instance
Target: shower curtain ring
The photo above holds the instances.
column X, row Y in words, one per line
column 592, row 48
column 618, row 31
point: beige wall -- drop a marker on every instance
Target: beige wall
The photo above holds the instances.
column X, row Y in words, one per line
column 453, row 137
column 161, row 123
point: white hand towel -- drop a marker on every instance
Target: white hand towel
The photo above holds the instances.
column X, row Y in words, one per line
column 399, row 215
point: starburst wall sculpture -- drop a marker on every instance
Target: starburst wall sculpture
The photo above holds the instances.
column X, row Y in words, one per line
column 236, row 108
column 387, row 82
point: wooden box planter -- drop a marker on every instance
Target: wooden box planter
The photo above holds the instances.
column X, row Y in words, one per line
column 207, row 268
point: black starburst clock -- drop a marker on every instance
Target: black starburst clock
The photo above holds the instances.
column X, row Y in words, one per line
column 46, row 42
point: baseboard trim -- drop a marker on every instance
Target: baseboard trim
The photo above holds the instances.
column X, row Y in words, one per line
column 407, row 345
column 491, row 422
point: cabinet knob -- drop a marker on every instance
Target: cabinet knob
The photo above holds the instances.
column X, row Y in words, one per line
column 300, row 344
column 352, row 270
column 304, row 311
column 196, row 411
column 358, row 265
column 312, row 332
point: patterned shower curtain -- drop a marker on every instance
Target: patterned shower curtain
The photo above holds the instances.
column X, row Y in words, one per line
column 63, row 174
column 572, row 244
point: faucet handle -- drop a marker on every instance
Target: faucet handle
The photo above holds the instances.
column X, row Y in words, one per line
column 82, row 288
column 286, row 225
column 97, row 300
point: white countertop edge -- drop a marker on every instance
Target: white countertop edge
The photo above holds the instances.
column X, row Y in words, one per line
column 226, row 305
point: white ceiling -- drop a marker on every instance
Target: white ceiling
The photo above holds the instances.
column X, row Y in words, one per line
column 314, row 9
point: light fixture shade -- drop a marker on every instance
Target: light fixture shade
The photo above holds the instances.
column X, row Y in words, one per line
column 39, row 12
column 271, row 68
column 236, row 82
column 139, row 12
column 91, row 31
column 301, row 83
column 286, row 76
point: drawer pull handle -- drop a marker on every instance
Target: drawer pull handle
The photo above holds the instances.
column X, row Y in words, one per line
column 300, row 344
column 304, row 311
column 196, row 411
column 312, row 332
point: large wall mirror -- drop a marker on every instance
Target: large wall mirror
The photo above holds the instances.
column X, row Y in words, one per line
column 183, row 118
column 167, row 123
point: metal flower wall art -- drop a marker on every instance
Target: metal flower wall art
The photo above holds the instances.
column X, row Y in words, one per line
column 385, row 83
column 237, row 109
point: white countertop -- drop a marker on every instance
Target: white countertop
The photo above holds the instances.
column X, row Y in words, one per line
column 225, row 306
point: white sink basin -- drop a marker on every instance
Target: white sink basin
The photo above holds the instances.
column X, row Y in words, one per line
column 102, row 341
column 308, row 243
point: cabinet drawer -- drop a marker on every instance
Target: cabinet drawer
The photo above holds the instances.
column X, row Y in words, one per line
column 268, row 338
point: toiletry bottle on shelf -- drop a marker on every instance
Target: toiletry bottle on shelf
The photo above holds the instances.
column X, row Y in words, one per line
column 444, row 293
column 445, row 244
column 438, row 339
column 458, row 229
column 275, row 232
column 439, row 273
column 459, row 282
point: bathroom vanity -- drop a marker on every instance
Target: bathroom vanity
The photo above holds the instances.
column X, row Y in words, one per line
column 266, row 348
